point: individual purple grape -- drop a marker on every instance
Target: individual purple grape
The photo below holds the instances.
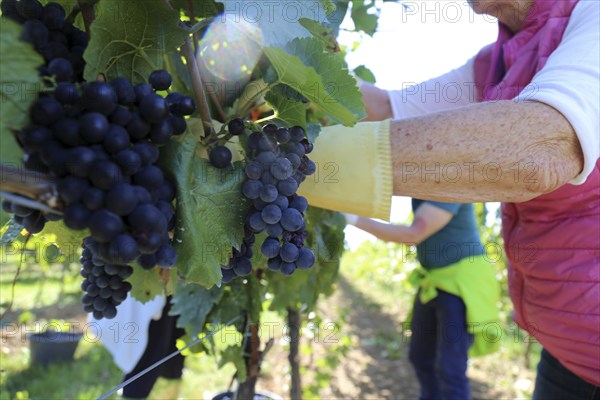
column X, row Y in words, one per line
column 270, row 247
column 66, row 93
column 243, row 266
column 271, row 214
column 99, row 97
column 299, row 203
column 121, row 199
column 61, row 69
column 160, row 80
column 282, row 168
column 124, row 91
column 287, row 187
column 147, row 218
column 292, row 220
column 289, row 252
column 268, row 193
column 220, row 156
column 116, row 139
column 236, row 127
column 105, row 225
column 150, row 177
column 251, row 189
column 105, row 174
column 256, row 223
column 35, row 32
column 93, row 127
column 153, row 108
column 53, row 16
column 30, row 9
column 274, row 264
column 129, row 161
column 287, row 268
column 67, row 131
column 166, row 256
column 76, row 216
column 297, row 133
column 46, row 111
column 274, row 230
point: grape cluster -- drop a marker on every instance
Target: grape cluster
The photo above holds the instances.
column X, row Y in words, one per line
column 103, row 283
column 52, row 35
column 100, row 143
column 278, row 164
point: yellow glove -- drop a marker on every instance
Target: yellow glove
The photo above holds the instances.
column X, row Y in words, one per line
column 354, row 170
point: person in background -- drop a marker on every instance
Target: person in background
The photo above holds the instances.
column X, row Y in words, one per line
column 457, row 296
column 521, row 127
column 140, row 335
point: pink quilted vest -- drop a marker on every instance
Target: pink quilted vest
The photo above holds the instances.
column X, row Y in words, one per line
column 553, row 241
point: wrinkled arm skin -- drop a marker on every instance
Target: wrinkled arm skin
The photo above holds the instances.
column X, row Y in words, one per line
column 496, row 151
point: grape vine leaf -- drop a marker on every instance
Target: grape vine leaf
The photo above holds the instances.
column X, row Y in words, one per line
column 19, row 86
column 363, row 20
column 365, row 74
column 321, row 77
column 234, row 354
column 279, row 21
column 210, row 211
column 67, row 240
column 192, row 303
column 287, row 109
column 147, row 284
column 10, row 232
column 130, row 39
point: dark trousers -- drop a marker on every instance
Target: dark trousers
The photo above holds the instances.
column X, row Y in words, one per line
column 439, row 347
column 554, row 381
column 162, row 335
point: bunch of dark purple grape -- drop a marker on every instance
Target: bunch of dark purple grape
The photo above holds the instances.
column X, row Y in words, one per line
column 278, row 164
column 100, row 144
column 52, row 35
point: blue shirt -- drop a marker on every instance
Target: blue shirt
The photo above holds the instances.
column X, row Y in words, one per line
column 457, row 240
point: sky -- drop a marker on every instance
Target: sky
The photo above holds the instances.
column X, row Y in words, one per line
column 414, row 43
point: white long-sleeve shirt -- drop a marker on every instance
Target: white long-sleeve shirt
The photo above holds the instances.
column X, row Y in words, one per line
column 569, row 82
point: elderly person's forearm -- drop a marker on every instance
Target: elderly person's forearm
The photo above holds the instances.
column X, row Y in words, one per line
column 500, row 151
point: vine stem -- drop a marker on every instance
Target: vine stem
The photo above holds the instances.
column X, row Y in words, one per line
column 192, row 21
column 188, row 53
column 14, row 282
column 88, row 14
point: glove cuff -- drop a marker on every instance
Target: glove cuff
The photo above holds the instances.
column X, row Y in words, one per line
column 354, row 173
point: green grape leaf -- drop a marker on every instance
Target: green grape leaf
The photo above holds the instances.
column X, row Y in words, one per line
column 321, row 32
column 19, row 86
column 291, row 111
column 279, row 22
column 147, row 284
column 181, row 78
column 365, row 74
column 234, row 354
column 10, row 232
column 363, row 21
column 192, row 303
column 130, row 39
column 67, row 240
column 312, row 131
column 333, row 70
column 319, row 76
column 210, row 211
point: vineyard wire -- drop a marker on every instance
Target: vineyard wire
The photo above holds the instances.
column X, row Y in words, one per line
column 165, row 359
